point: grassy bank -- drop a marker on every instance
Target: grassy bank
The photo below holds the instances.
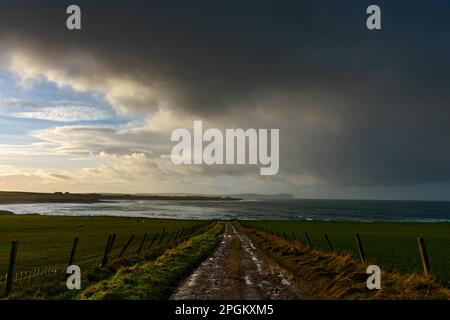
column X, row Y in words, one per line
column 390, row 245
column 326, row 275
column 156, row 280
column 45, row 242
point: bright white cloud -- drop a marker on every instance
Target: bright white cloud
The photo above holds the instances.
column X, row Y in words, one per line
column 83, row 73
column 94, row 140
column 64, row 114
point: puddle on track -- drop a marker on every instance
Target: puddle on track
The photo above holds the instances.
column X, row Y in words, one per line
column 258, row 278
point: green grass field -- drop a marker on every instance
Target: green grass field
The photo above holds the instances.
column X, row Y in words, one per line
column 389, row 244
column 155, row 280
column 47, row 240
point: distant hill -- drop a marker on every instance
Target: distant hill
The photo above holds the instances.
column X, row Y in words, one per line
column 257, row 196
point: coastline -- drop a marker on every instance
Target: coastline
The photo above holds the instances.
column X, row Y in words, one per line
column 60, row 197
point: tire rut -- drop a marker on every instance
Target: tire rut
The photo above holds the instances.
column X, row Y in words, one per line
column 237, row 271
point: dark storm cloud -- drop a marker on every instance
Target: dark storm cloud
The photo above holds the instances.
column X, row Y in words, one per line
column 354, row 107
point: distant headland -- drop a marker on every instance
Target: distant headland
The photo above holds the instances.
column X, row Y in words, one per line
column 12, row 197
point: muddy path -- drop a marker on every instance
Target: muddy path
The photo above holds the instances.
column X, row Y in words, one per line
column 237, row 271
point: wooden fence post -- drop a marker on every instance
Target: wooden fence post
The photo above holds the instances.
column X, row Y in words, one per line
column 423, row 255
column 308, row 240
column 153, row 240
column 294, row 237
column 142, row 244
column 362, row 255
column 329, row 242
column 163, row 235
column 182, row 232
column 169, row 238
column 111, row 243
column 74, row 249
column 12, row 262
column 126, row 246
column 105, row 254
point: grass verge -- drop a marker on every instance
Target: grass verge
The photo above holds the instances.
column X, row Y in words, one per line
column 327, row 275
column 156, row 280
column 391, row 245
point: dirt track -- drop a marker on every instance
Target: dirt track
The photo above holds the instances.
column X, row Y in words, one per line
column 236, row 270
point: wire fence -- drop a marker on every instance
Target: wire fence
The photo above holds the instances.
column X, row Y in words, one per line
column 24, row 266
column 399, row 252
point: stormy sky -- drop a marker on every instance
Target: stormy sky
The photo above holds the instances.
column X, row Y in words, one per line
column 362, row 114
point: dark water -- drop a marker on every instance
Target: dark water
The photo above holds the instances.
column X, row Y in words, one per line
column 337, row 210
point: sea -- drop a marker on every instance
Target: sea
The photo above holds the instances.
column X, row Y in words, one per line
column 293, row 209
